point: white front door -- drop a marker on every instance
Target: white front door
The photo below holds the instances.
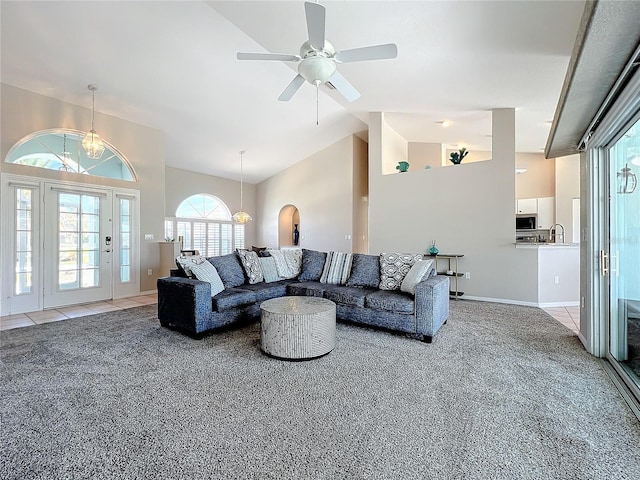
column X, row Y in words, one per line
column 78, row 245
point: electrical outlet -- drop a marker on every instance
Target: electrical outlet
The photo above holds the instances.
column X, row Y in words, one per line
column 556, row 280
column 150, row 271
column 467, row 275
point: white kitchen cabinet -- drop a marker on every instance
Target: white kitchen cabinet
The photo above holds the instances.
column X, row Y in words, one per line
column 527, row 205
column 546, row 209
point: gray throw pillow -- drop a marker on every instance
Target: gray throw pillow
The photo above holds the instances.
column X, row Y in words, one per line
column 229, row 269
column 251, row 265
column 312, row 265
column 365, row 271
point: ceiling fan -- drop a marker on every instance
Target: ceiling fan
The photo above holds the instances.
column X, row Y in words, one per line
column 318, row 58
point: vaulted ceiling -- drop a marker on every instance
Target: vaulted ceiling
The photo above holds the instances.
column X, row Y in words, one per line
column 172, row 66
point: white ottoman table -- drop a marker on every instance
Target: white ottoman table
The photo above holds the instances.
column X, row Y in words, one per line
column 298, row 328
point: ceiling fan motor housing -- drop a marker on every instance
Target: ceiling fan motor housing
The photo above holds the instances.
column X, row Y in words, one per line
column 317, row 66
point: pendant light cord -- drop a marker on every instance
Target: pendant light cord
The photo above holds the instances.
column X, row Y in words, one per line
column 241, row 179
column 317, row 103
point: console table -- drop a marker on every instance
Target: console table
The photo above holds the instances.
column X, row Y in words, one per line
column 452, row 266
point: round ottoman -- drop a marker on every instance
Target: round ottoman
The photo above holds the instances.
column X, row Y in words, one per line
column 298, row 328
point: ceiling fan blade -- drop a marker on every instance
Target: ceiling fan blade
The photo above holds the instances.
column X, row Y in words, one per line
column 345, row 88
column 362, row 54
column 268, row 56
column 315, row 24
column 292, row 88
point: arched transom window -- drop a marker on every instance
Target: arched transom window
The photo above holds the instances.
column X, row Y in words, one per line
column 61, row 149
column 203, row 223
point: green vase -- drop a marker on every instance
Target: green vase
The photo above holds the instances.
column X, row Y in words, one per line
column 433, row 250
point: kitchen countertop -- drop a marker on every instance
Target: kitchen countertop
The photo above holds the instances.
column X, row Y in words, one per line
column 546, row 245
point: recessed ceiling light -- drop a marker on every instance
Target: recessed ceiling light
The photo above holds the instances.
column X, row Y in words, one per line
column 446, row 123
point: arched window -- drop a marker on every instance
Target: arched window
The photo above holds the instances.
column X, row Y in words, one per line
column 61, row 149
column 203, row 223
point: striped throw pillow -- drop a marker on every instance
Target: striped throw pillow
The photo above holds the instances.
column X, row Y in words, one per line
column 207, row 273
column 336, row 269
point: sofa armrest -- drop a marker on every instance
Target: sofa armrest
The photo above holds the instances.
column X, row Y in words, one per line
column 432, row 304
column 183, row 302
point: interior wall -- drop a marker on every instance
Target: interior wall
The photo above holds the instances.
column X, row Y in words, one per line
column 24, row 112
column 360, row 239
column 423, row 154
column 540, row 178
column 396, row 149
column 467, row 209
column 289, row 216
column 321, row 187
column 567, row 175
column 181, row 184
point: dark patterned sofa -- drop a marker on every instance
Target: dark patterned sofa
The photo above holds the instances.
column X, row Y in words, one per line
column 186, row 304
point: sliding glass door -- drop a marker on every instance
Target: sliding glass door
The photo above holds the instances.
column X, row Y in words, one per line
column 623, row 347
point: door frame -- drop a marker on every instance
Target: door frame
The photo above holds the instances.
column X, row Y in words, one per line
column 8, row 181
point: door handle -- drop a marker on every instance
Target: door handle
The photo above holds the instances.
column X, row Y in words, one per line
column 604, row 263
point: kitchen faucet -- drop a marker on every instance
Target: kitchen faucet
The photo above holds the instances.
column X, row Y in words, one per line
column 553, row 236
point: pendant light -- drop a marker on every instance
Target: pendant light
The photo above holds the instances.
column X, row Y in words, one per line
column 241, row 216
column 92, row 143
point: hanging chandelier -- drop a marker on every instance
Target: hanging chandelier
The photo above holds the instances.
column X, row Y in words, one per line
column 241, row 216
column 92, row 143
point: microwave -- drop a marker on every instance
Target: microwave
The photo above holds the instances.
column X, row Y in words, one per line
column 526, row 222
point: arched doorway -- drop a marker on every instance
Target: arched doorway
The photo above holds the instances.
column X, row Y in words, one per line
column 288, row 218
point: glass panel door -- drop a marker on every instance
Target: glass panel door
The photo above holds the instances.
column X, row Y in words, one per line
column 624, row 253
column 79, row 236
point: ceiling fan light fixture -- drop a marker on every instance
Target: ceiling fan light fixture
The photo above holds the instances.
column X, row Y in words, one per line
column 317, row 70
column 92, row 143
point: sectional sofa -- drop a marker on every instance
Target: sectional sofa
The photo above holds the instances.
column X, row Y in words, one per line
column 365, row 289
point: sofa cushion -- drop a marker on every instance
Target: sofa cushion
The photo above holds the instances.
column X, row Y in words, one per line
column 307, row 289
column 232, row 298
column 365, row 271
column 336, row 268
column 397, row 302
column 281, row 264
column 269, row 269
column 251, row 266
column 265, row 291
column 353, row 296
column 229, row 269
column 394, row 267
column 207, row 273
column 312, row 265
column 416, row 274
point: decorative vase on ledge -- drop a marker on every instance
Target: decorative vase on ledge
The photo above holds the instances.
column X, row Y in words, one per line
column 402, row 167
column 296, row 234
column 433, row 250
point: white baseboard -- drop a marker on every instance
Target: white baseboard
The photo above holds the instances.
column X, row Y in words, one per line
column 525, row 304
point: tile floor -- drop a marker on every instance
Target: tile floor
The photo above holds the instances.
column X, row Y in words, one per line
column 568, row 316
column 58, row 314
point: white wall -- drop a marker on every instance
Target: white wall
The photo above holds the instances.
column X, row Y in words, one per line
column 321, row 187
column 24, row 112
column 466, row 208
column 567, row 174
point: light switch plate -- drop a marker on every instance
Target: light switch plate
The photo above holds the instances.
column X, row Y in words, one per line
column 148, row 236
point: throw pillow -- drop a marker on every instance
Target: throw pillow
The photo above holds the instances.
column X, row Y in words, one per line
column 394, row 267
column 251, row 266
column 312, row 265
column 281, row 264
column 269, row 269
column 419, row 271
column 185, row 263
column 261, row 251
column 230, row 269
column 208, row 273
column 293, row 257
column 337, row 267
column 365, row 271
